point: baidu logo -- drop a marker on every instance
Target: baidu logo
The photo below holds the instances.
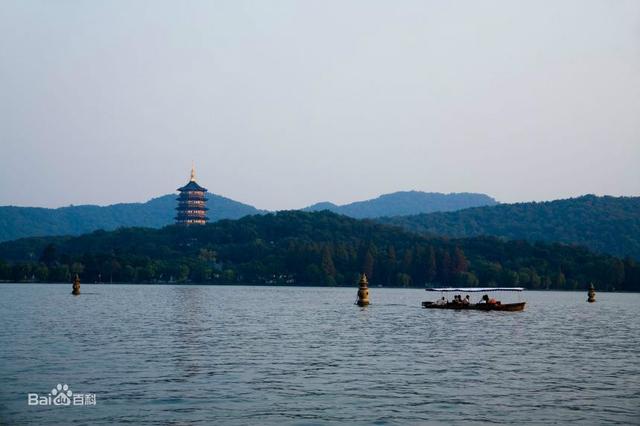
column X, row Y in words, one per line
column 61, row 395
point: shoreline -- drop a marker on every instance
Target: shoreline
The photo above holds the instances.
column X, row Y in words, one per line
column 279, row 286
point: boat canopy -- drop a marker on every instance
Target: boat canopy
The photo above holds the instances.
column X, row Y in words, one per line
column 476, row 289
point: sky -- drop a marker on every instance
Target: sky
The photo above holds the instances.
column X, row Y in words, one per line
column 281, row 104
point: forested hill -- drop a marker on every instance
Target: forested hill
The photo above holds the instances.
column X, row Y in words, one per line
column 406, row 203
column 604, row 224
column 19, row 222
column 298, row 248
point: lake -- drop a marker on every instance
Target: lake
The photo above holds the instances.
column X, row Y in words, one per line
column 188, row 354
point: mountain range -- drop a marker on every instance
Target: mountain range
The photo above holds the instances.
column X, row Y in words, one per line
column 19, row 222
column 603, row 224
column 404, row 203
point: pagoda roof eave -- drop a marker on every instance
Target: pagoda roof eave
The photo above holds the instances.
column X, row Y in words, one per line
column 192, row 186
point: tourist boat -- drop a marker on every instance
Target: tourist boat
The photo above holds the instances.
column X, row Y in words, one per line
column 462, row 291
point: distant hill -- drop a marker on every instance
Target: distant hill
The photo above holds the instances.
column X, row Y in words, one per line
column 603, row 224
column 406, row 203
column 297, row 248
column 19, row 222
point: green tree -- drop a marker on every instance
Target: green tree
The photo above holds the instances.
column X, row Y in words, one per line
column 207, row 255
column 560, row 281
column 42, row 272
column 460, row 263
column 49, row 255
column 201, row 273
column 432, row 267
column 368, row 263
column 229, row 276
column 328, row 267
column 128, row 274
column 5, row 270
column 183, row 273
column 403, row 280
column 60, row 274
column 445, row 267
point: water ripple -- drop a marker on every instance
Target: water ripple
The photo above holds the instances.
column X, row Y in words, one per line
column 306, row 356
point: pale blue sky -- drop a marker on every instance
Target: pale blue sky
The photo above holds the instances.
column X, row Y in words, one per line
column 282, row 103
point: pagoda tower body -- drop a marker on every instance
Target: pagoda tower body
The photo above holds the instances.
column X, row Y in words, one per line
column 191, row 203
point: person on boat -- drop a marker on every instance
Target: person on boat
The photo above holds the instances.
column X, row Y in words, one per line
column 489, row 301
column 442, row 301
column 466, row 300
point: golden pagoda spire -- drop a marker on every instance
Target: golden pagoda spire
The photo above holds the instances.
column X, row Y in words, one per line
column 193, row 172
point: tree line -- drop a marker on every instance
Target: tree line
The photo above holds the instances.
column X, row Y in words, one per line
column 299, row 248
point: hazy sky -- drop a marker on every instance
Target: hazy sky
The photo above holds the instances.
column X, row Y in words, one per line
column 282, row 103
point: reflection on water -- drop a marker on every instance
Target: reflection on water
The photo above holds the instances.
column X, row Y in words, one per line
column 243, row 355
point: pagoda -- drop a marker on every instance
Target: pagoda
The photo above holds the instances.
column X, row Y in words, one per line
column 191, row 203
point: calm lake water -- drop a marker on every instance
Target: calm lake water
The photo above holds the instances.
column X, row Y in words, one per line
column 268, row 355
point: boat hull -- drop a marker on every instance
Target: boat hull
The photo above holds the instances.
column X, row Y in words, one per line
column 509, row 307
